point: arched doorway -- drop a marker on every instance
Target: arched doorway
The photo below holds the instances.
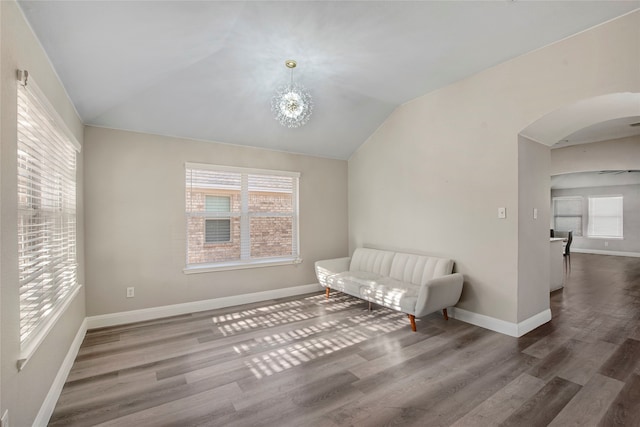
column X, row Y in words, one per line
column 537, row 163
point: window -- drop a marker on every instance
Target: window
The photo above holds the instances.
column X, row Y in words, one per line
column 46, row 176
column 567, row 214
column 239, row 217
column 605, row 217
column 217, row 230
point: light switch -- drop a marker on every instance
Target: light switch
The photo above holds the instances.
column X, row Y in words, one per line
column 535, row 213
column 502, row 213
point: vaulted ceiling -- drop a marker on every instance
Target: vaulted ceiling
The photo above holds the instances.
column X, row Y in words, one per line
column 208, row 70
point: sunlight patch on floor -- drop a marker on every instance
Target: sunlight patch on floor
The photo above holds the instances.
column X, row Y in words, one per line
column 346, row 334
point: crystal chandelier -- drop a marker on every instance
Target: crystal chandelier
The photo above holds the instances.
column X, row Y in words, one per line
column 292, row 104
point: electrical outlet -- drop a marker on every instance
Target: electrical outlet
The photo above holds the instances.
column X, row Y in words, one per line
column 131, row 292
column 606, row 244
column 4, row 421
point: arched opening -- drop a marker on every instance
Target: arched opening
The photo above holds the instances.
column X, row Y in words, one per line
column 573, row 119
column 596, row 162
column 599, row 138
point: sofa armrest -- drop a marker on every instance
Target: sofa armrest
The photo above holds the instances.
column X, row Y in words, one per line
column 327, row 267
column 439, row 293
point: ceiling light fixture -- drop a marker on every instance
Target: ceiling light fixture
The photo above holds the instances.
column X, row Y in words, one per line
column 292, row 104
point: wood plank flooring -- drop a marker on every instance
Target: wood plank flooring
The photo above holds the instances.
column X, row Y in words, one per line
column 308, row 361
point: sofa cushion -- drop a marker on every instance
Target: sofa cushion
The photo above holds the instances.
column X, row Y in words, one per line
column 352, row 282
column 419, row 269
column 392, row 293
column 372, row 260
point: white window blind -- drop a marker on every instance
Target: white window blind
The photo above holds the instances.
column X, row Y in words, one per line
column 46, row 175
column 240, row 216
column 605, row 216
column 567, row 214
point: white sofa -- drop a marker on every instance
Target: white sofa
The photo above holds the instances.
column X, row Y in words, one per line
column 414, row 284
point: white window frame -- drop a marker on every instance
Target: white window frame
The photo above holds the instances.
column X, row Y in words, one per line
column 245, row 218
column 45, row 137
column 579, row 232
column 592, row 218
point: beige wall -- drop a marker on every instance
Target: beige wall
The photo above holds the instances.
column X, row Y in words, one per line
column 433, row 175
column 135, row 228
column 617, row 154
column 533, row 233
column 23, row 392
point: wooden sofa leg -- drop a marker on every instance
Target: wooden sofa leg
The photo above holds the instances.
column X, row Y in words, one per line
column 445, row 314
column 327, row 292
column 412, row 319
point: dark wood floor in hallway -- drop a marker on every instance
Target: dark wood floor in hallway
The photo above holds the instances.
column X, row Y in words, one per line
column 307, row 361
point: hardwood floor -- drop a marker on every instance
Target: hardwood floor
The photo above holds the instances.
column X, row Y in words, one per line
column 308, row 361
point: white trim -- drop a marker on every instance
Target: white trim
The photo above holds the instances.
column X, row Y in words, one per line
column 152, row 313
column 603, row 237
column 239, row 265
column 49, row 404
column 207, row 166
column 497, row 325
column 600, row 252
column 34, row 342
column 533, row 322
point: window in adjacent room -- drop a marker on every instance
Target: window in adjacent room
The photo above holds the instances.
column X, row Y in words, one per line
column 605, row 217
column 567, row 214
column 238, row 217
column 46, row 228
column 217, row 230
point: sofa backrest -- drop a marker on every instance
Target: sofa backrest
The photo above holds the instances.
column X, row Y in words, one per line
column 372, row 260
column 410, row 268
column 419, row 269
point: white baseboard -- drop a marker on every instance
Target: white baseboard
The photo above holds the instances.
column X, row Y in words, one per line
column 133, row 316
column 599, row 252
column 49, row 404
column 497, row 325
column 533, row 322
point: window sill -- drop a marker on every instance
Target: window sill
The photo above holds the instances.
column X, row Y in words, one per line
column 29, row 350
column 240, row 265
column 604, row 238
